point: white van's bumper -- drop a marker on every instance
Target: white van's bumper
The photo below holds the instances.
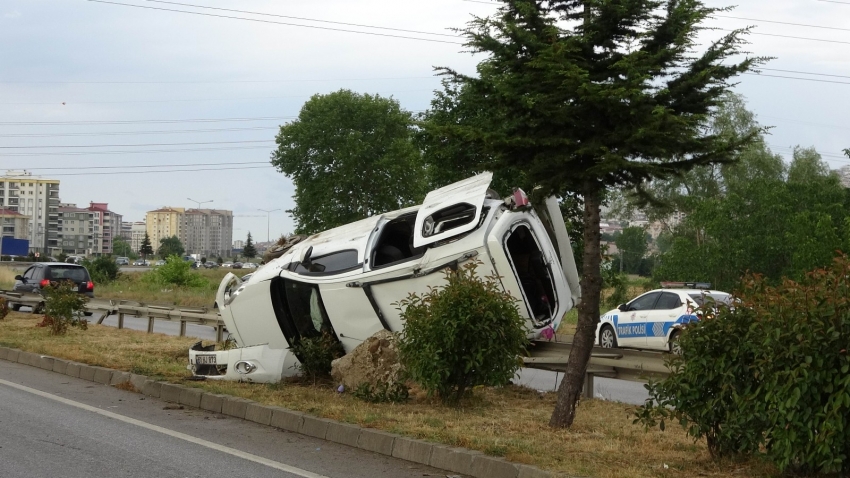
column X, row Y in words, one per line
column 259, row 363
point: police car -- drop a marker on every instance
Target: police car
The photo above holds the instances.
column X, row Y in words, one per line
column 655, row 319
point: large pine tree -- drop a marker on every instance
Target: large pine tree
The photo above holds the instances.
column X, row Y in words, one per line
column 249, row 251
column 583, row 95
column 146, row 248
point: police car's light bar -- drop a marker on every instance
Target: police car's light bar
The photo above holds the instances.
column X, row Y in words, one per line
column 686, row 285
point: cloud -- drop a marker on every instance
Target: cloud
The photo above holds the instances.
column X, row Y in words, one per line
column 13, row 14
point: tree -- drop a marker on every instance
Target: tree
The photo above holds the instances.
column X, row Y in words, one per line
column 350, row 156
column 632, row 246
column 169, row 246
column 249, row 251
column 586, row 95
column 121, row 248
column 145, row 249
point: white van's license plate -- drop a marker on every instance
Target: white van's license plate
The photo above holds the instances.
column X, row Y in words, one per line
column 205, row 359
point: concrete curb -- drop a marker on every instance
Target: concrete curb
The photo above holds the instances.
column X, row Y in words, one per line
column 456, row 460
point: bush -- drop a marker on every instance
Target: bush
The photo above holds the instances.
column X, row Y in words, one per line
column 382, row 393
column 315, row 354
column 771, row 374
column 464, row 334
column 4, row 308
column 63, row 308
column 176, row 272
column 102, row 270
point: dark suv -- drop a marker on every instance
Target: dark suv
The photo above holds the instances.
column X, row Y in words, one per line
column 41, row 275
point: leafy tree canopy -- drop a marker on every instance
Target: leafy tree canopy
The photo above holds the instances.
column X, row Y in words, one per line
column 350, row 156
column 169, row 246
column 582, row 95
column 121, row 248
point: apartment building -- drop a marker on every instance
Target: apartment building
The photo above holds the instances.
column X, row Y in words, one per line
column 136, row 234
column 37, row 199
column 88, row 231
column 164, row 222
column 208, row 232
column 14, row 224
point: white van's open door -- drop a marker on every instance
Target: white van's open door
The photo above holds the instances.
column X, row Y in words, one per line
column 553, row 221
column 451, row 210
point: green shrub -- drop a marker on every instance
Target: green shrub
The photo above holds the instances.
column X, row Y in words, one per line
column 176, row 272
column 102, row 270
column 464, row 334
column 770, row 374
column 63, row 308
column 315, row 354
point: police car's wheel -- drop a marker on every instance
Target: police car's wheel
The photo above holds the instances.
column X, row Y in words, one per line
column 607, row 338
column 675, row 348
column 15, row 307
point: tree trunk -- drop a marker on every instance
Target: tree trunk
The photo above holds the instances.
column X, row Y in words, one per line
column 588, row 315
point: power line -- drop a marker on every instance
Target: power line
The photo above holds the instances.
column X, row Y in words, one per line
column 136, row 145
column 160, row 171
column 80, row 153
column 796, row 78
column 804, row 72
column 433, row 40
column 142, row 166
column 133, row 133
column 784, row 23
column 219, row 81
column 156, row 121
column 302, row 18
column 774, row 35
column 834, row 1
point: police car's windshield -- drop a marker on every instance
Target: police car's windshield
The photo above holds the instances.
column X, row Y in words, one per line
column 719, row 298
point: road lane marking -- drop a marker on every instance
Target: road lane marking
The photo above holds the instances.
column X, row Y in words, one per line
column 171, row 433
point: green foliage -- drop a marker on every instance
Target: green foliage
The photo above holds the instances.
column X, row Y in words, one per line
column 617, row 283
column 249, row 251
column 632, row 246
column 4, row 308
column 102, row 270
column 464, row 334
column 772, row 373
column 382, row 393
column 61, row 257
column 146, row 249
column 176, row 272
column 63, row 308
column 170, row 246
column 350, row 156
column 315, row 354
column 121, row 248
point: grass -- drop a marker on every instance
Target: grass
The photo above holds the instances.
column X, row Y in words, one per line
column 509, row 422
column 130, row 286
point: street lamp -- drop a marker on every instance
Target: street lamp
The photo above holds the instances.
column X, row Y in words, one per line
column 268, row 215
column 199, row 202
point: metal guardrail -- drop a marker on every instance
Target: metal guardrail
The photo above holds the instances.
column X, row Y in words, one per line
column 622, row 364
column 185, row 315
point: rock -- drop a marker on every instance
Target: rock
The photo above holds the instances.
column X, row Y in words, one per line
column 374, row 361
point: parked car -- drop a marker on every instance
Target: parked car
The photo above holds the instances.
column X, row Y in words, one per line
column 348, row 280
column 159, row 263
column 44, row 274
column 210, row 265
column 122, row 261
column 236, row 265
column 655, row 319
column 140, row 262
column 227, row 264
column 74, row 259
column 249, row 265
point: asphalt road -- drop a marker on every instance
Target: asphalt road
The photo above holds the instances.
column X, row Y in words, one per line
column 57, row 426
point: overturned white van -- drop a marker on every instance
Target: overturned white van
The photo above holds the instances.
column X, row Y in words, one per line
column 346, row 280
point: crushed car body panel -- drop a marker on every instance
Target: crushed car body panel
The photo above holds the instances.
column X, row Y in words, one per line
column 347, row 281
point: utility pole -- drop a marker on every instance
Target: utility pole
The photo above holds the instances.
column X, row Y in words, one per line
column 199, row 202
column 268, row 215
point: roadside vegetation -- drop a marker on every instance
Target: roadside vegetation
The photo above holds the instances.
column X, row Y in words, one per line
column 503, row 421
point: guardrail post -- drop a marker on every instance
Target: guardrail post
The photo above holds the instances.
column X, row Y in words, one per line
column 219, row 333
column 120, row 320
column 150, row 325
column 182, row 328
column 588, row 385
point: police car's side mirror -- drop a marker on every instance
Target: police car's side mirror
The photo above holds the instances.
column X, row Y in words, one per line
column 623, row 307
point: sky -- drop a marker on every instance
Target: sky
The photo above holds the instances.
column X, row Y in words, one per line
column 181, row 109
